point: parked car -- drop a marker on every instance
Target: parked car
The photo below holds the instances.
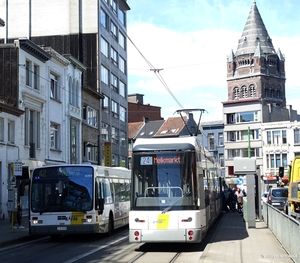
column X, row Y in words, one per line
column 277, row 197
column 264, row 197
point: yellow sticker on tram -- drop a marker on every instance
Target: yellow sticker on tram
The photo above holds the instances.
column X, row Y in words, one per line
column 77, row 218
column 163, row 221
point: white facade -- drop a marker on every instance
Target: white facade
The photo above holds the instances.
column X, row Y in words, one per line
column 281, row 143
column 50, row 96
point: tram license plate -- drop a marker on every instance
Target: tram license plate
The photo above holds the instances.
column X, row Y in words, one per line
column 62, row 228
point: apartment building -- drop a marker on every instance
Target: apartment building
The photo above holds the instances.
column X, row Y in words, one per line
column 94, row 33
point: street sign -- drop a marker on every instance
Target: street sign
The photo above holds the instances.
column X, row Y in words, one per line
column 240, row 181
column 18, row 168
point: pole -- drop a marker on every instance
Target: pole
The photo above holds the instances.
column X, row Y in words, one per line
column 249, row 145
column 99, row 150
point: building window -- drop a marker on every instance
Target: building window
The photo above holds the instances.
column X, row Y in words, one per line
column 244, row 92
column 36, row 77
column 114, row 109
column 90, row 115
column 236, row 94
column 54, row 89
column 104, row 74
column 105, row 104
column 211, row 141
column 274, row 161
column 104, row 131
column 28, row 73
column 122, row 40
column 122, row 64
column 122, row 89
column 1, row 130
column 123, row 138
column 104, row 19
column 113, row 30
column 221, row 160
column 114, row 82
column 104, row 47
column 32, row 130
column 114, row 135
column 11, row 131
column 122, row 114
column 74, row 90
column 269, row 140
column 297, row 136
column 54, row 136
column 284, row 139
column 252, row 91
column 121, row 16
column 114, row 56
column 74, row 128
column 92, row 153
column 115, row 160
column 220, row 139
column 113, row 6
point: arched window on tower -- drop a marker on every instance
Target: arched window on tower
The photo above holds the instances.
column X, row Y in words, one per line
column 252, row 91
column 236, row 93
column 244, row 92
column 278, row 94
column 266, row 92
column 272, row 93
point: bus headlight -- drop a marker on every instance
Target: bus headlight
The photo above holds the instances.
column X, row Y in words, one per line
column 35, row 220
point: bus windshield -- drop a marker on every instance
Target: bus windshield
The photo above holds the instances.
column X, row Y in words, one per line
column 62, row 189
column 164, row 180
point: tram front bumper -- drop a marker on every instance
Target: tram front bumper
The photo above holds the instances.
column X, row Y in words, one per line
column 165, row 236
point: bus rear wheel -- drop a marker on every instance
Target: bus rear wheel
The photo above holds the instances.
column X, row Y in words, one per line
column 110, row 226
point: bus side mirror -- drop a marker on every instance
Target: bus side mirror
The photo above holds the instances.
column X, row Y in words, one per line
column 101, row 206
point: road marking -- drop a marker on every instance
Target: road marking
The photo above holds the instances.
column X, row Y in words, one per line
column 95, row 250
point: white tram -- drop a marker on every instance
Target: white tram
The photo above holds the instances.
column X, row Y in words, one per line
column 175, row 192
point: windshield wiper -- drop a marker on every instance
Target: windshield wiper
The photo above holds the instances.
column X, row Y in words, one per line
column 171, row 205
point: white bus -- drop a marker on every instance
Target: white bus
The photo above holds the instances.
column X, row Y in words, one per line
column 78, row 199
column 175, row 192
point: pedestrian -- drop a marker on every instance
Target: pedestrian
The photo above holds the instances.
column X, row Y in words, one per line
column 18, row 216
column 231, row 200
column 239, row 197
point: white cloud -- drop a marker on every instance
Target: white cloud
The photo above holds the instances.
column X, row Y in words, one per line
column 194, row 62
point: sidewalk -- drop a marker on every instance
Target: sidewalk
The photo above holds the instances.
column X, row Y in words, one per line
column 9, row 235
column 234, row 242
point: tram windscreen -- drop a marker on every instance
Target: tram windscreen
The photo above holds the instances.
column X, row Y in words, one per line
column 163, row 180
column 62, row 188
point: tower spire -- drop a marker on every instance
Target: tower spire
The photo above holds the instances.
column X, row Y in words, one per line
column 254, row 32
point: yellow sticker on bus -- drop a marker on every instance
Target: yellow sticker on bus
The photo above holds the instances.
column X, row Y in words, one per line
column 77, row 218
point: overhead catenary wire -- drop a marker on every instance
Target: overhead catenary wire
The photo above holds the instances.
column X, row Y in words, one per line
column 156, row 71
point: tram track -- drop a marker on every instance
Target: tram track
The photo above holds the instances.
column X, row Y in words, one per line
column 167, row 257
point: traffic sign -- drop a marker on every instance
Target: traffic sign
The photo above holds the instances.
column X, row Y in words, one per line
column 240, row 181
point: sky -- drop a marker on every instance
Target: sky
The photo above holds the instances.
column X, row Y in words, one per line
column 189, row 41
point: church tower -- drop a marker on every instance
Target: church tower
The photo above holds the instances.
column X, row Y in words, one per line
column 256, row 94
column 256, row 70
